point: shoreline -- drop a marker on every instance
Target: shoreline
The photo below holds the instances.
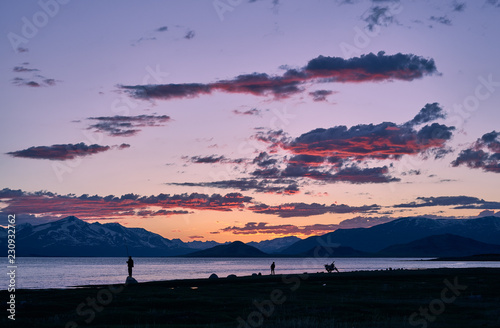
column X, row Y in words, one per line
column 383, row 298
column 272, row 278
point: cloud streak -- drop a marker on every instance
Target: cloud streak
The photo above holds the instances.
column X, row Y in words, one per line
column 269, row 186
column 366, row 68
column 126, row 126
column 304, row 210
column 63, row 152
column 320, row 95
column 129, row 205
column 250, row 112
column 252, row 228
column 459, row 202
column 35, row 81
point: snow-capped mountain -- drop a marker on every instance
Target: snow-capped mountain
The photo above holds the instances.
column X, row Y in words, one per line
column 274, row 246
column 74, row 237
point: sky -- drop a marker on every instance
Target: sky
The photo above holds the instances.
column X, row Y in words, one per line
column 249, row 120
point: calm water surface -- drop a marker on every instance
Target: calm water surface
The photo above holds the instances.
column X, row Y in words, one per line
column 61, row 272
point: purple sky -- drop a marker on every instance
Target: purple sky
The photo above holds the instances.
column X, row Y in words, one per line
column 249, row 120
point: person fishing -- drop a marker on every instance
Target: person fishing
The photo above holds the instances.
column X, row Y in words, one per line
column 130, row 264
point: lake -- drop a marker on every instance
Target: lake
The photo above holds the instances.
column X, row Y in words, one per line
column 61, row 272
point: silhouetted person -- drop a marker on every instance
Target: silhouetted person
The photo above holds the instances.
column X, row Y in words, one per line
column 272, row 268
column 130, row 264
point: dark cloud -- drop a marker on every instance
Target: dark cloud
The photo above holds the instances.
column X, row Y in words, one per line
column 270, row 186
column 167, row 91
column 126, row 126
column 434, row 135
column 49, row 82
column 252, row 228
column 369, row 141
column 371, row 67
column 368, row 67
column 307, row 160
column 412, row 172
column 272, row 137
column 64, row 151
column 264, row 160
column 22, row 69
column 459, row 202
column 458, row 6
column 189, row 35
column 207, row 159
column 320, row 95
column 36, row 80
column 337, row 154
column 145, row 213
column 303, row 210
column 429, row 113
column 441, row 19
column 483, row 154
column 85, row 206
column 378, row 16
column 166, row 33
column 211, row 159
column 341, row 154
column 350, row 174
column 19, row 81
column 494, row 3
column 356, row 175
column 251, row 112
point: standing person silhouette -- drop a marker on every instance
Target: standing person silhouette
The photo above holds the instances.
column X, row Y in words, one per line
column 272, row 268
column 130, row 264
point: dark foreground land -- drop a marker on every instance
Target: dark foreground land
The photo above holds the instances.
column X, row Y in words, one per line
column 421, row 298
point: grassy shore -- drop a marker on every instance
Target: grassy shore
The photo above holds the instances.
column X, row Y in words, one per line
column 401, row 298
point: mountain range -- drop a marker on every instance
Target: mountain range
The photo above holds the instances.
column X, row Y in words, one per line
column 73, row 237
column 405, row 237
column 401, row 231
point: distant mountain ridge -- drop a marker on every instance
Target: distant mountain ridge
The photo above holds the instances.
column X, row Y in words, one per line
column 274, row 245
column 401, row 231
column 446, row 245
column 234, row 249
column 197, row 244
